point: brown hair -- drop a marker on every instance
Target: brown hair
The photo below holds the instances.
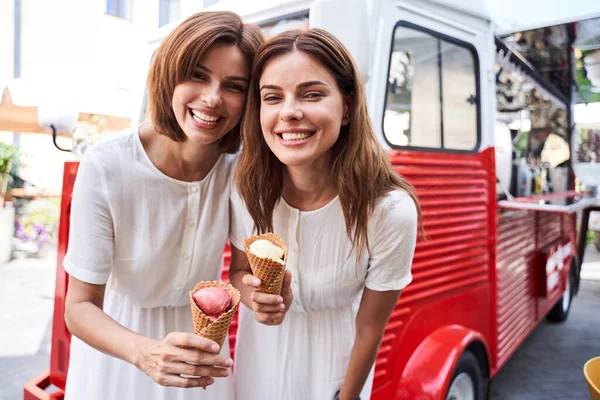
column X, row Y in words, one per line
column 179, row 54
column 362, row 172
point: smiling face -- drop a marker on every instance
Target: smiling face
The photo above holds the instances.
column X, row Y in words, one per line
column 212, row 102
column 301, row 111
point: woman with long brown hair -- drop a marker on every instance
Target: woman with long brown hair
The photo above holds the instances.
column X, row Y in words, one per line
column 313, row 172
column 149, row 220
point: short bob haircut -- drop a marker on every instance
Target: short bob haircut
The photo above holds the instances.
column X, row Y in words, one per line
column 179, row 54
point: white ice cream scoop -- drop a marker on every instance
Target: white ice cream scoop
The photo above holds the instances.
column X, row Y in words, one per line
column 265, row 249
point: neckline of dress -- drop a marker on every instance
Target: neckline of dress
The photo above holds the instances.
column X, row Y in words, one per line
column 162, row 174
column 326, row 206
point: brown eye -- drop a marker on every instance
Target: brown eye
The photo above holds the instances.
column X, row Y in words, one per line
column 234, row 87
column 313, row 95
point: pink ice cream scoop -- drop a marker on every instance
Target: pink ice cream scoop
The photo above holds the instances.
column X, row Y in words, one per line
column 213, row 301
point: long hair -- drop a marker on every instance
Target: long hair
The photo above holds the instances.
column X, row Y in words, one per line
column 179, row 54
column 361, row 172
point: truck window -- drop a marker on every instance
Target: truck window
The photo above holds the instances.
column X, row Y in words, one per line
column 432, row 92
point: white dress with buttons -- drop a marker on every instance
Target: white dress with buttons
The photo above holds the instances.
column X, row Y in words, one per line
column 150, row 238
column 307, row 356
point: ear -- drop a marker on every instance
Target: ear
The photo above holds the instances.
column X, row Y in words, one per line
column 347, row 110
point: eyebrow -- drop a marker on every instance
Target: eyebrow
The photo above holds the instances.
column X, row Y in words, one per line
column 230, row 77
column 300, row 86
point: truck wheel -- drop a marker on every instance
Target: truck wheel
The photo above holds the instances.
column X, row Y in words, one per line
column 467, row 381
column 560, row 311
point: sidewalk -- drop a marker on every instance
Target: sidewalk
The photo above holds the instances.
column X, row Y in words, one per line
column 549, row 365
column 26, row 306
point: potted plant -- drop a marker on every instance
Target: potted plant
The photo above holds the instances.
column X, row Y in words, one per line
column 7, row 156
column 7, row 214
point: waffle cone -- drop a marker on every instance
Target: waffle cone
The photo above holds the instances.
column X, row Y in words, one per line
column 270, row 272
column 206, row 327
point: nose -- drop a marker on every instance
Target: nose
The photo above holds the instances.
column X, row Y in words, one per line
column 212, row 96
column 290, row 111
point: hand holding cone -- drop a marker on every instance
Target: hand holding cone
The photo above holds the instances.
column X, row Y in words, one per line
column 268, row 270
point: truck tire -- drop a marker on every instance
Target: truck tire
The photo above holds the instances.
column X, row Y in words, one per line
column 560, row 311
column 467, row 381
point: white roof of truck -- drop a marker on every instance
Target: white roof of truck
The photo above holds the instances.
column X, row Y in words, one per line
column 474, row 7
column 257, row 11
column 251, row 11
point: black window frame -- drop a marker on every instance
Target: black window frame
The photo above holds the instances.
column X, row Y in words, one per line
column 273, row 20
column 458, row 42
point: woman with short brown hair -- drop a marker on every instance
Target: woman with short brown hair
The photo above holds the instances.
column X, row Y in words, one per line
column 150, row 219
column 313, row 172
column 177, row 59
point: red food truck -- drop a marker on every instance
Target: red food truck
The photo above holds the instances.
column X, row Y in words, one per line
column 484, row 138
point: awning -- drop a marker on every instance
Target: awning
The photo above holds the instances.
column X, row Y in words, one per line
column 24, row 118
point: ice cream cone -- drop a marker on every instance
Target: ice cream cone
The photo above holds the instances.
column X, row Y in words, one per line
column 270, row 272
column 203, row 325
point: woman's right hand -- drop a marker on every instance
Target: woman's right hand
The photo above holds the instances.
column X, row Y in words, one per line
column 270, row 309
column 181, row 353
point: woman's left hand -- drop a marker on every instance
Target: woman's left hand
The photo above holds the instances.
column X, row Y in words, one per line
column 270, row 309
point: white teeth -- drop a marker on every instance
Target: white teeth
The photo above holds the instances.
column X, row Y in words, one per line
column 295, row 136
column 203, row 122
column 203, row 117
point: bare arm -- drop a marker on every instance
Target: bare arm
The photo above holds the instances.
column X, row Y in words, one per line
column 268, row 309
column 84, row 318
column 373, row 314
column 163, row 360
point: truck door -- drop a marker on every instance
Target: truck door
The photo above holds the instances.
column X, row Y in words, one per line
column 432, row 104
